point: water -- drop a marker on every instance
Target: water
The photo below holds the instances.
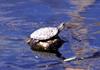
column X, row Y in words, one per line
column 19, row 18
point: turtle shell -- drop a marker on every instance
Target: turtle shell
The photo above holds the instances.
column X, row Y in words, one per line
column 44, row 33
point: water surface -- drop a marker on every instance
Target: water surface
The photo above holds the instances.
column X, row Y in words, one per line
column 19, row 18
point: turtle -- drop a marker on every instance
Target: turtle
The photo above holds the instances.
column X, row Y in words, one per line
column 46, row 39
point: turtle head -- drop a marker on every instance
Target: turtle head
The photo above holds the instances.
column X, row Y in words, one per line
column 61, row 26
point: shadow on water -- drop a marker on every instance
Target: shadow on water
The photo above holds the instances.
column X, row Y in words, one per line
column 19, row 18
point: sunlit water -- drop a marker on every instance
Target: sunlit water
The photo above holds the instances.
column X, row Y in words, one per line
column 19, row 18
